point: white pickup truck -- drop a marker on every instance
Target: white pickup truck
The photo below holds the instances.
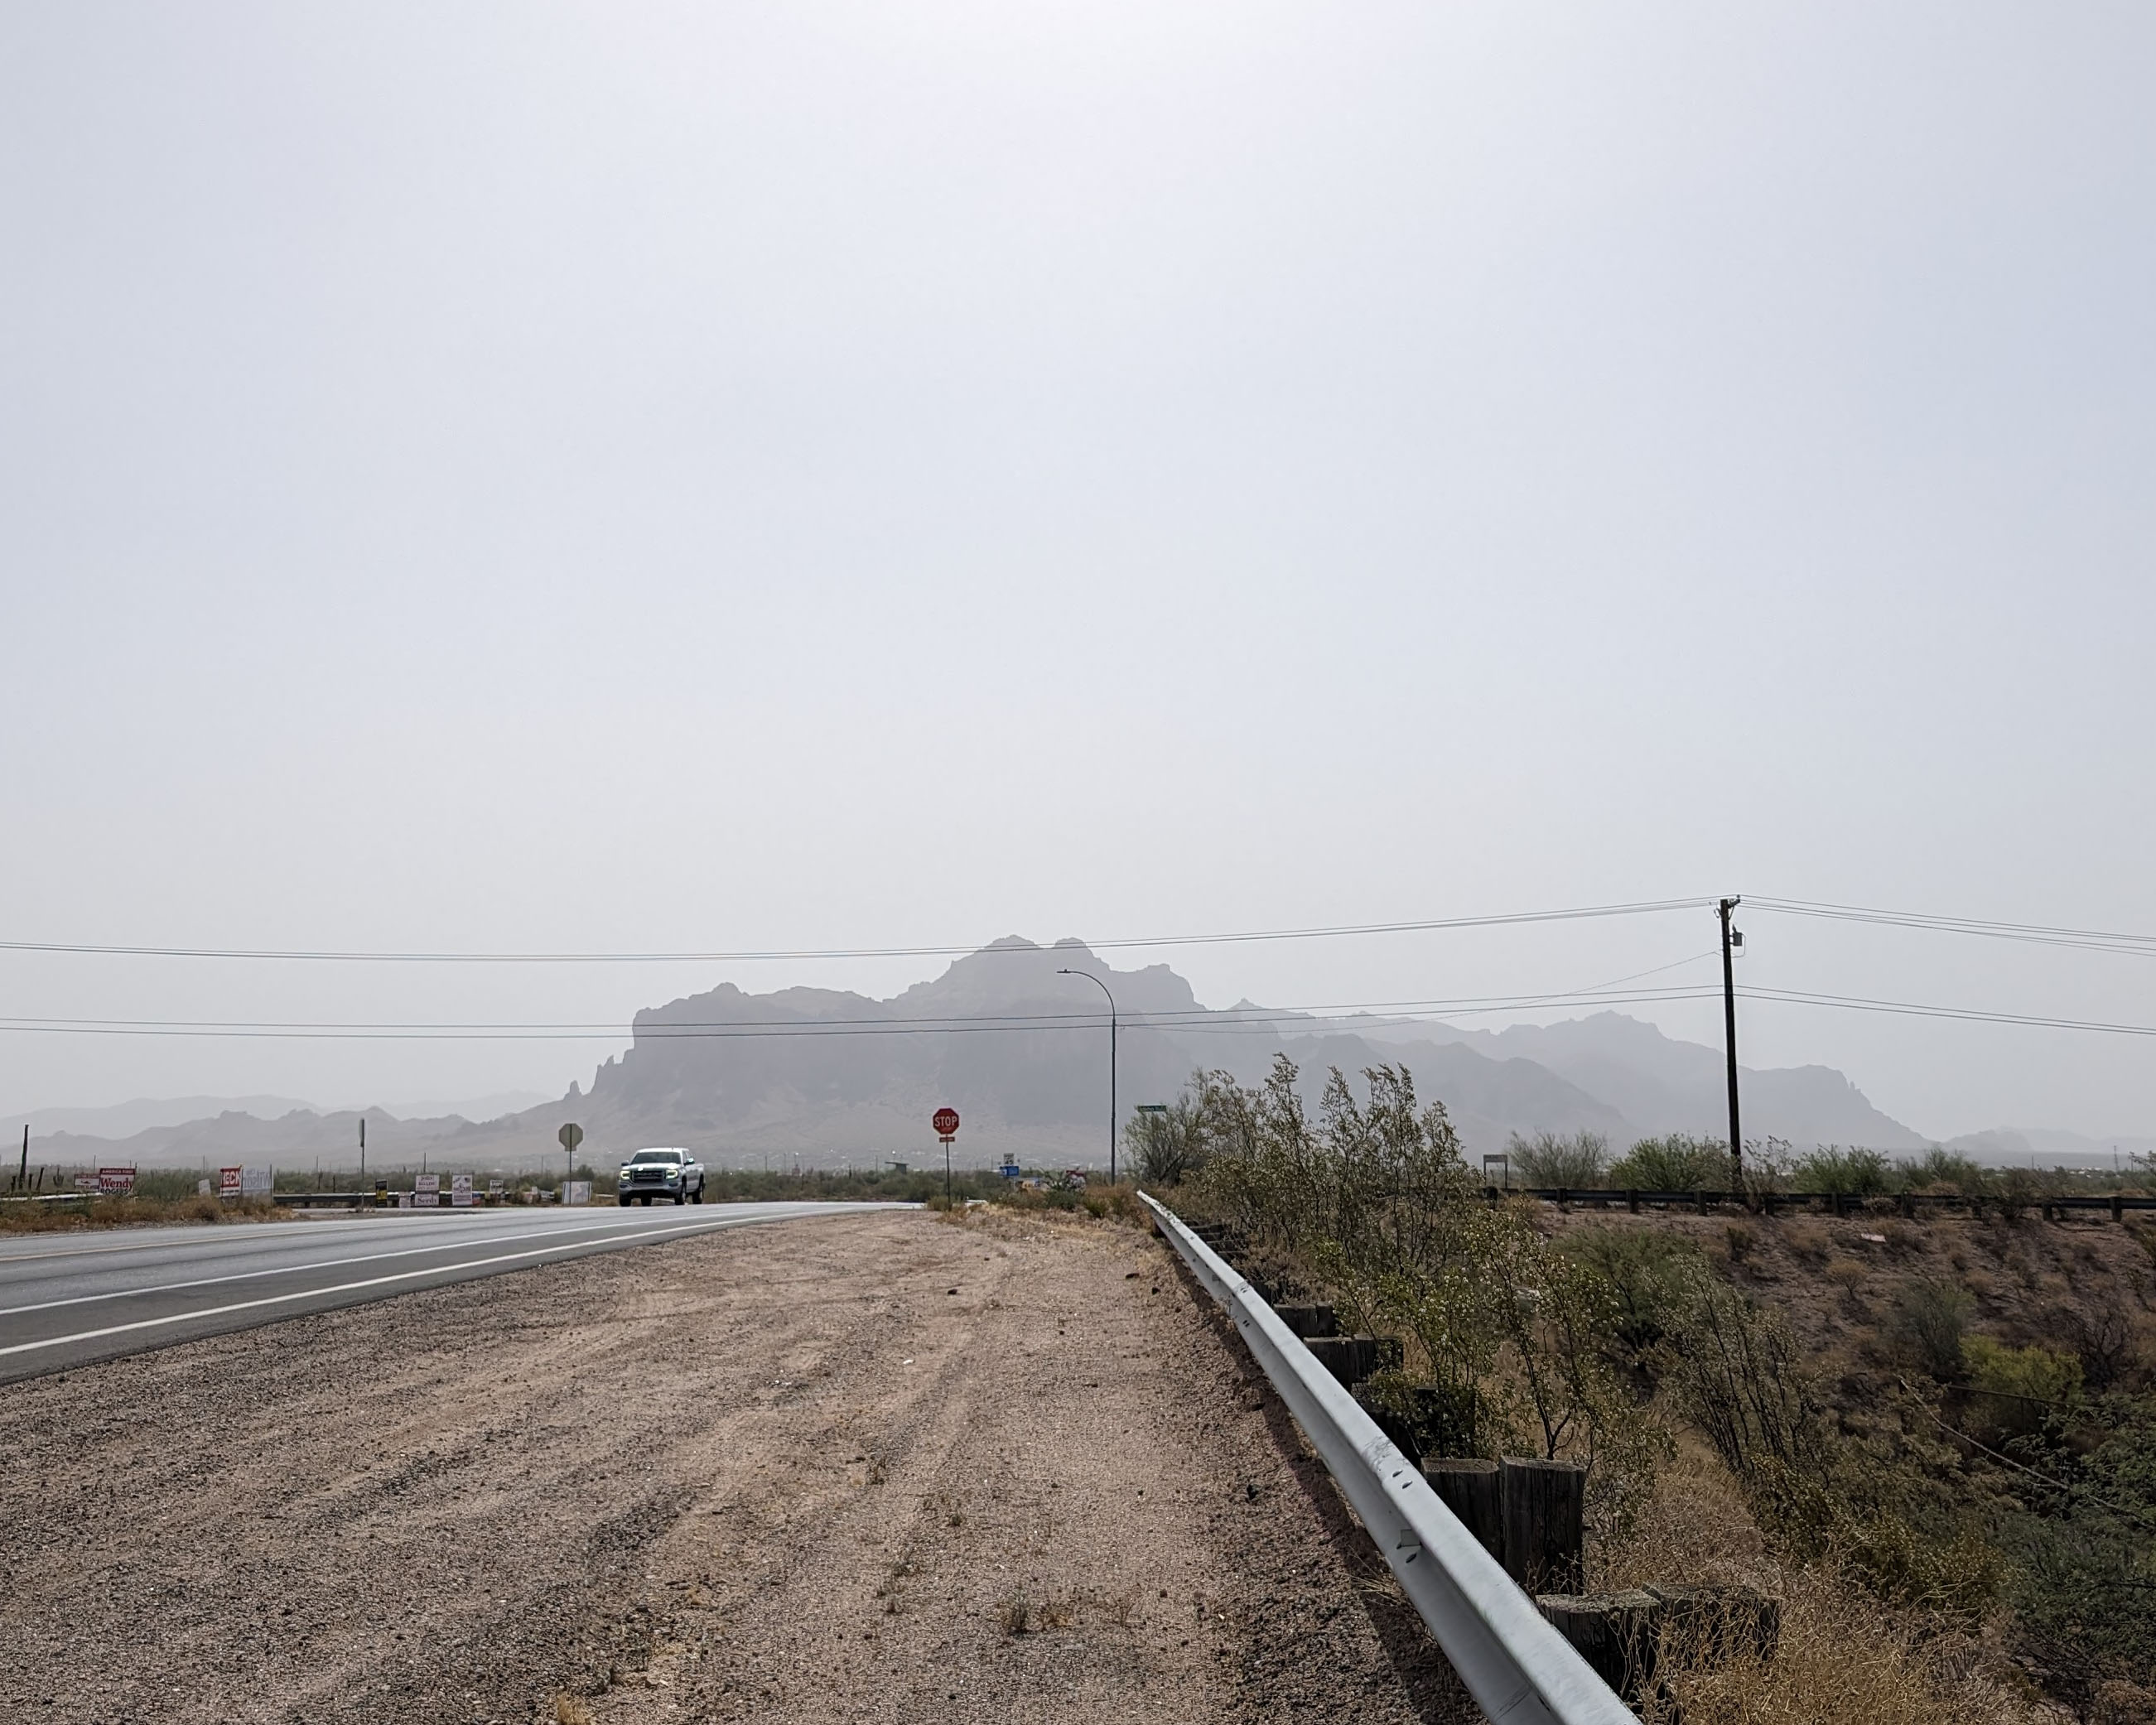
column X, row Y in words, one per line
column 672, row 1174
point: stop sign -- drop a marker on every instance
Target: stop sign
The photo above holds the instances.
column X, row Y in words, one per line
column 945, row 1121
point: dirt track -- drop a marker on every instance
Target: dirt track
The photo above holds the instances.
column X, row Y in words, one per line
column 823, row 1470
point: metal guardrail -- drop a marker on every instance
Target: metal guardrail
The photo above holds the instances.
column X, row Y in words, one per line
column 1908, row 1204
column 1518, row 1668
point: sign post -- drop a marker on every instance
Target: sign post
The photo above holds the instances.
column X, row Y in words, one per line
column 570, row 1136
column 945, row 1120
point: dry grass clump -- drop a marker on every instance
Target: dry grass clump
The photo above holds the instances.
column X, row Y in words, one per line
column 1843, row 1658
column 571, row 1709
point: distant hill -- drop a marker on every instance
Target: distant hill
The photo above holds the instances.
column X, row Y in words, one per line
column 298, row 1138
column 123, row 1120
column 1661, row 1085
column 2049, row 1147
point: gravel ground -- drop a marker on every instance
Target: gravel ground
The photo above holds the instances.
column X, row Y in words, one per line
column 880, row 1468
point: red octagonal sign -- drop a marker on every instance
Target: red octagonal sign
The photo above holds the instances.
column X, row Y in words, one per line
column 945, row 1121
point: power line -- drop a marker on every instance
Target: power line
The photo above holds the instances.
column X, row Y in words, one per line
column 1854, row 1003
column 2036, row 933
column 1423, row 926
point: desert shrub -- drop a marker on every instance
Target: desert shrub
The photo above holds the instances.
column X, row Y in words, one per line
column 1653, row 1278
column 1944, row 1170
column 1673, row 1163
column 1169, row 1147
column 1732, row 1368
column 1547, row 1160
column 1510, row 1337
column 1854, row 1173
column 2103, row 1341
column 1925, row 1325
column 2014, row 1391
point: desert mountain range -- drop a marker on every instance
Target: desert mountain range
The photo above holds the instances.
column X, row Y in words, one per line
column 823, row 1077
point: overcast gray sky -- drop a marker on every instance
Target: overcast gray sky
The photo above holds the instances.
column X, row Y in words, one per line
column 630, row 477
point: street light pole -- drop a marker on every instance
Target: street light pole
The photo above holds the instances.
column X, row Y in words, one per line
column 1105, row 989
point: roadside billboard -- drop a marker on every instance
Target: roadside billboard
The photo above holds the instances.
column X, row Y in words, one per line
column 426, row 1190
column 576, row 1192
column 257, row 1182
column 228, row 1182
column 460, row 1189
column 115, row 1182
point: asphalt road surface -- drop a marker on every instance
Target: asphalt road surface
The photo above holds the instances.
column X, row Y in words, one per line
column 69, row 1298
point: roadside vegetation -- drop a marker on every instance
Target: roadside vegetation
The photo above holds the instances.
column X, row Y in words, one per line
column 1935, row 1442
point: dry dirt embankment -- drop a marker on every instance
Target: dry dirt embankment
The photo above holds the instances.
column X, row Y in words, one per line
column 883, row 1468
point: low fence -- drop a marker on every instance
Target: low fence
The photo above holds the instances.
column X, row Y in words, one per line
column 1515, row 1664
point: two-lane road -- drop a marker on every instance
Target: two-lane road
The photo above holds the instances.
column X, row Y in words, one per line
column 66, row 1298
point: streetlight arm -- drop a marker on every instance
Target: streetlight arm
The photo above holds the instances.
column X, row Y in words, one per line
column 1110, row 993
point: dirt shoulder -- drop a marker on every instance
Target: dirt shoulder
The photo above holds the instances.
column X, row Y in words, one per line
column 884, row 1468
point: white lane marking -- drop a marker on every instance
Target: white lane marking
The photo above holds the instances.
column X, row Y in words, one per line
column 210, row 1281
column 372, row 1281
column 270, row 1230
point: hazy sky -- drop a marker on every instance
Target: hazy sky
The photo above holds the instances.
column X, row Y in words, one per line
column 631, row 477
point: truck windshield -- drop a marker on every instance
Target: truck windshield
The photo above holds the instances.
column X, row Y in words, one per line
column 645, row 1158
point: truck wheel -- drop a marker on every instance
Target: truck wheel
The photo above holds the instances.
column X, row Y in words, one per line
column 700, row 1194
column 682, row 1197
column 622, row 1200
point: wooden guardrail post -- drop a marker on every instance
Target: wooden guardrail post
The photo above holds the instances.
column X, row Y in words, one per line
column 1618, row 1633
column 1544, row 1506
column 1316, row 1319
column 1469, row 1486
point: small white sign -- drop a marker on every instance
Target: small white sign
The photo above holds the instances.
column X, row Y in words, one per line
column 427, row 1190
column 460, row 1189
column 576, row 1192
column 257, row 1182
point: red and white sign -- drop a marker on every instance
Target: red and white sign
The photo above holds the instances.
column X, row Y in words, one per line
column 945, row 1121
column 228, row 1182
column 115, row 1182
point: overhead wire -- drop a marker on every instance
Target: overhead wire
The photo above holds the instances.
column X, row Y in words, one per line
column 2036, row 934
column 1573, row 914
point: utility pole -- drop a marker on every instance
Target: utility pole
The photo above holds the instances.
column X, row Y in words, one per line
column 22, row 1173
column 1105, row 989
column 1732, row 939
column 363, row 1152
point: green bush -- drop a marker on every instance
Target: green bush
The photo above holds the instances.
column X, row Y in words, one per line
column 1939, row 1170
column 1925, row 1325
column 1546, row 1160
column 1853, row 1173
column 1673, row 1163
column 1654, row 1278
column 2014, row 1391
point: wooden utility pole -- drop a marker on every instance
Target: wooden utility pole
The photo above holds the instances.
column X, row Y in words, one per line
column 1731, row 937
